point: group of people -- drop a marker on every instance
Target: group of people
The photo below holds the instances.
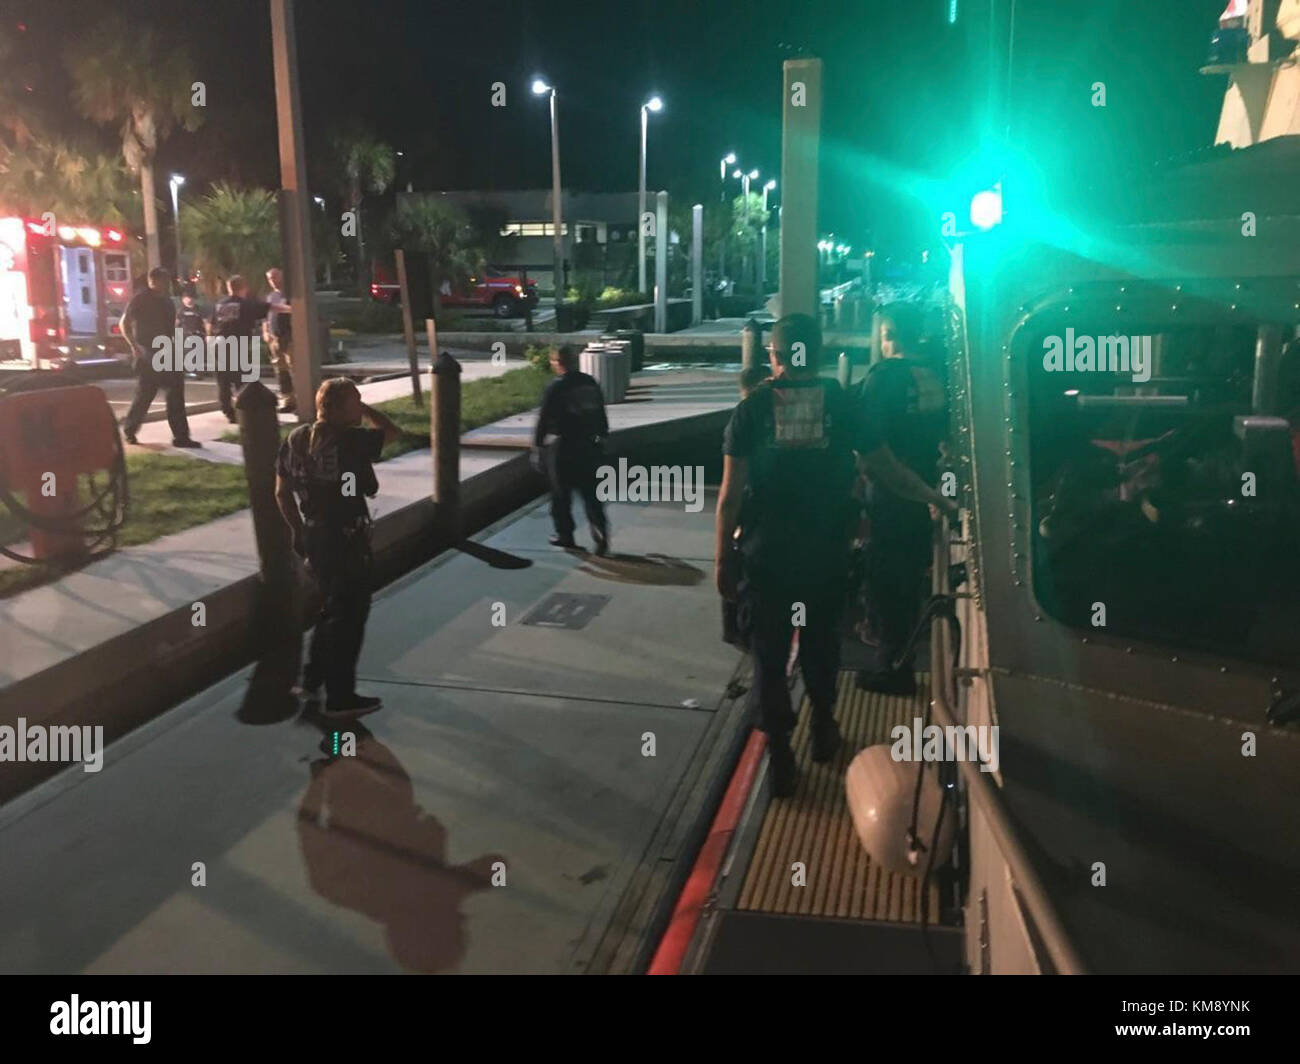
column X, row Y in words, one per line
column 804, row 460
column 151, row 314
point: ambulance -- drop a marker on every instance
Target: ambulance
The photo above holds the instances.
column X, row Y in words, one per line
column 63, row 289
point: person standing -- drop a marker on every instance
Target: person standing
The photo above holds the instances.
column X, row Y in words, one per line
column 324, row 473
column 277, row 332
column 903, row 395
column 236, row 316
column 788, row 456
column 573, row 411
column 149, row 315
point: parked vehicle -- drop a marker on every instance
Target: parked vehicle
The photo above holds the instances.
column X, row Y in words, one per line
column 503, row 292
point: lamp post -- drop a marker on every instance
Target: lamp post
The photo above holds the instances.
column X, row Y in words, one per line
column 653, row 104
column 540, row 88
column 726, row 161
column 176, row 181
column 762, row 261
column 745, row 179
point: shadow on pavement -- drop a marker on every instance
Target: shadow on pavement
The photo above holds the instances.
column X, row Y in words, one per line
column 498, row 559
column 655, row 569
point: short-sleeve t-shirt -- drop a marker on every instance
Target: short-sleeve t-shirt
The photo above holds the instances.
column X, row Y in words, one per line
column 279, row 323
column 237, row 316
column 798, row 437
column 905, row 399
column 317, row 476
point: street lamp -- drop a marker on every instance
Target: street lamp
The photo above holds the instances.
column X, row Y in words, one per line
column 762, row 261
column 540, row 88
column 176, row 181
column 653, row 104
column 727, row 160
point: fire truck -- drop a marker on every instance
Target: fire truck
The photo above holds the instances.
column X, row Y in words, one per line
column 63, row 289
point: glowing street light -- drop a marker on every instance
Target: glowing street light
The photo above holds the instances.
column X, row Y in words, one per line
column 540, row 88
column 176, row 181
column 653, row 104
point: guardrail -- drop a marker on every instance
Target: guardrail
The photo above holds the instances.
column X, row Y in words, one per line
column 985, row 794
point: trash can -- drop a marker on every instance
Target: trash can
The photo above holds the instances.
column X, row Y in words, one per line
column 610, row 364
column 635, row 340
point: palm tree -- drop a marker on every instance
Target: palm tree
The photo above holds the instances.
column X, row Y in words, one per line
column 15, row 113
column 133, row 76
column 363, row 164
column 231, row 231
column 443, row 232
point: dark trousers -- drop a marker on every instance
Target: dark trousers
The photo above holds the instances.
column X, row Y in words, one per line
column 147, row 382
column 897, row 559
column 770, row 614
column 341, row 566
column 228, row 385
column 574, row 469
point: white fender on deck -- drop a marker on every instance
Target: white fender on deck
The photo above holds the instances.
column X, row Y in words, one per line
column 880, row 791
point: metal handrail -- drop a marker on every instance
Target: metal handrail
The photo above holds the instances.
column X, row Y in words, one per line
column 985, row 794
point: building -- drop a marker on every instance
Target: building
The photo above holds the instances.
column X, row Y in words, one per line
column 598, row 230
column 1256, row 47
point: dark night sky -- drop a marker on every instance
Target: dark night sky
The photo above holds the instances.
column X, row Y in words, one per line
column 898, row 89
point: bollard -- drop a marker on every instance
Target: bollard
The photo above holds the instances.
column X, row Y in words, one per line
column 844, row 371
column 277, row 623
column 751, row 341
column 431, row 331
column 444, row 434
column 408, row 327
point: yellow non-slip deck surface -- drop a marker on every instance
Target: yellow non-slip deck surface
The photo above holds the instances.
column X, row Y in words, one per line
column 814, row 826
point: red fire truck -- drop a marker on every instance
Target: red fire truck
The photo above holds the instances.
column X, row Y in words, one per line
column 62, row 291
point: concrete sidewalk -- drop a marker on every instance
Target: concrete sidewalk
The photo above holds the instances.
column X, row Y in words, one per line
column 51, row 624
column 509, row 744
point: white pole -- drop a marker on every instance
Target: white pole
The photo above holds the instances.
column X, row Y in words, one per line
column 697, row 264
column 640, row 210
column 556, row 212
column 661, row 263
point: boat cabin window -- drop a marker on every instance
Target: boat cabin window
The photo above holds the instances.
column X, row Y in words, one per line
column 1165, row 491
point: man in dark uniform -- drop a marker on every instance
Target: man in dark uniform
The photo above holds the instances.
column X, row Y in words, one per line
column 151, row 314
column 904, row 396
column 235, row 316
column 573, row 410
column 790, row 445
column 326, row 470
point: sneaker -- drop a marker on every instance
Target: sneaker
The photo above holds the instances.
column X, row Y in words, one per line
column 825, row 740
column 232, row 419
column 356, row 706
column 566, row 542
column 602, row 544
column 785, row 775
column 129, row 437
column 288, row 407
column 186, row 443
column 888, row 682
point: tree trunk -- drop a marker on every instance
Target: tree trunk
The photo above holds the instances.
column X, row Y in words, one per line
column 363, row 263
column 152, row 256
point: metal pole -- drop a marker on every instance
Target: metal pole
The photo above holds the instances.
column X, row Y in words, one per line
column 176, row 225
column 277, row 623
column 661, row 263
column 640, row 211
column 801, row 133
column 297, row 241
column 444, row 434
column 556, row 212
column 408, row 326
column 697, row 264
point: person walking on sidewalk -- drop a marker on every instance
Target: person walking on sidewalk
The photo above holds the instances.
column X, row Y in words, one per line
column 277, row 332
column 235, row 317
column 149, row 315
column 324, row 473
column 573, row 411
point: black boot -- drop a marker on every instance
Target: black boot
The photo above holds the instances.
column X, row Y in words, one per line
column 785, row 775
column 825, row 739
